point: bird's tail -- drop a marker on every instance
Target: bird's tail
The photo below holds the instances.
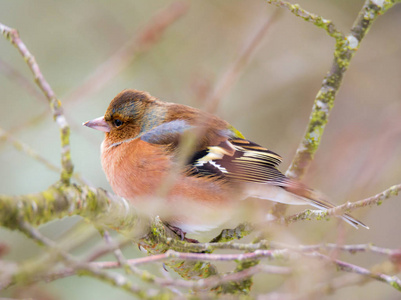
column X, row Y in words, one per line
column 317, row 200
column 292, row 192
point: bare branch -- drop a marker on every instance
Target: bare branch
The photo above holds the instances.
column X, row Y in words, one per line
column 345, row 48
column 20, row 79
column 21, row 146
column 393, row 281
column 79, row 267
column 67, row 167
column 138, row 44
column 234, row 71
column 347, row 207
column 310, row 17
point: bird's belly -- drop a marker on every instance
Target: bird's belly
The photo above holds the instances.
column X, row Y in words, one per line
column 142, row 174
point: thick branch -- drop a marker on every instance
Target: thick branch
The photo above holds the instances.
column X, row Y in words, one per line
column 59, row 201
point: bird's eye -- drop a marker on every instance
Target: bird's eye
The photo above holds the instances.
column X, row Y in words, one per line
column 118, row 122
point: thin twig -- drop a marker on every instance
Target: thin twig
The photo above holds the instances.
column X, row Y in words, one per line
column 20, row 79
column 140, row 43
column 83, row 268
column 104, row 250
column 218, row 280
column 310, row 17
column 21, row 146
column 208, row 283
column 123, row 57
column 348, row 248
column 347, row 207
column 234, row 70
column 393, row 281
column 67, row 167
column 278, row 249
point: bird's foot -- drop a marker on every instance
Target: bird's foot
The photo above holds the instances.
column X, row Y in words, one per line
column 178, row 231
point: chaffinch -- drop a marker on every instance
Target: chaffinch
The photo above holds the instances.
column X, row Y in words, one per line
column 142, row 157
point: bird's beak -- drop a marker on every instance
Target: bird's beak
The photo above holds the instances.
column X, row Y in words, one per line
column 98, row 124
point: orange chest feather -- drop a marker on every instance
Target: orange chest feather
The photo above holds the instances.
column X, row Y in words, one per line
column 135, row 168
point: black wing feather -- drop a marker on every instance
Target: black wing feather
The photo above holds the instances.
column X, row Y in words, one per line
column 249, row 162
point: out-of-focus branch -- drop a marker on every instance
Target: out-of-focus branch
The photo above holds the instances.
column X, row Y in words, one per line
column 138, row 44
column 37, row 270
column 265, row 245
column 203, row 284
column 393, row 281
column 21, row 146
column 20, row 79
column 234, row 71
column 295, row 254
column 339, row 210
column 122, row 58
column 347, row 248
column 66, row 164
column 208, row 283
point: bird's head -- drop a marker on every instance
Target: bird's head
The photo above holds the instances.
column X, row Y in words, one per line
column 130, row 113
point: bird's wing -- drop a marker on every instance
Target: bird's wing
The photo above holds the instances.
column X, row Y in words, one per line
column 237, row 159
column 166, row 133
column 222, row 153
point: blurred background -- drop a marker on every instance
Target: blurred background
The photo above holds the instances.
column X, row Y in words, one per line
column 90, row 50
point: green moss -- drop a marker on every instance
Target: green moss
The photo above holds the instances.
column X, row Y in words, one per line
column 66, row 162
column 228, row 235
column 239, row 287
column 147, row 277
column 395, row 285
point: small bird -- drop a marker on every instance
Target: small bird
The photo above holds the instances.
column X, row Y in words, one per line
column 192, row 187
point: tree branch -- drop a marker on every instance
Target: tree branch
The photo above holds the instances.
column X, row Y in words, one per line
column 345, row 48
column 67, row 167
column 347, row 207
